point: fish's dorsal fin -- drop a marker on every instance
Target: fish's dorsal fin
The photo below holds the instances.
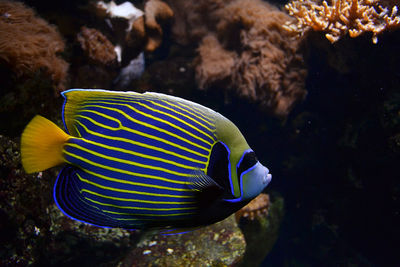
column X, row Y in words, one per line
column 180, row 100
column 75, row 98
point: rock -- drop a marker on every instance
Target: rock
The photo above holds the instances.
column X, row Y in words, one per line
column 220, row 244
column 261, row 233
column 33, row 231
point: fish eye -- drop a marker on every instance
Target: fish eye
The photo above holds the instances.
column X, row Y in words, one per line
column 248, row 160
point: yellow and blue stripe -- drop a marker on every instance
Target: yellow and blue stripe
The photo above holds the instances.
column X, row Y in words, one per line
column 132, row 158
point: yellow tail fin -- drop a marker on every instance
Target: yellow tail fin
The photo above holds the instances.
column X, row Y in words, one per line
column 42, row 143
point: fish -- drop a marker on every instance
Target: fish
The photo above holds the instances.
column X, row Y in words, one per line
column 143, row 160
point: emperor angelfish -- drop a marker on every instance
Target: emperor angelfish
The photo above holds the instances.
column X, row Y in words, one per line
column 143, row 161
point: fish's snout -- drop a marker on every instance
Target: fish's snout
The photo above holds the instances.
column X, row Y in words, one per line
column 267, row 177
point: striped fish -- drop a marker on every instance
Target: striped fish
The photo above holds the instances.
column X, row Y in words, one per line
column 142, row 161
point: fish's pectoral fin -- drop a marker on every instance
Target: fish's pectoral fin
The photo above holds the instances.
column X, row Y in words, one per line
column 206, row 189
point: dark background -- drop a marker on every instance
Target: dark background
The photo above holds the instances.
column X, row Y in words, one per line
column 335, row 159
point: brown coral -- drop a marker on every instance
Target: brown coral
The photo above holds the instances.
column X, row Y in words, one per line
column 195, row 19
column 29, row 44
column 256, row 208
column 156, row 13
column 97, row 47
column 216, row 63
column 141, row 30
column 343, row 16
column 252, row 54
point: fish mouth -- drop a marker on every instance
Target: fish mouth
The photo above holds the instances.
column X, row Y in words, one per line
column 267, row 177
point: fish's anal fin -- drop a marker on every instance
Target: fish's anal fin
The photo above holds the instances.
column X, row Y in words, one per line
column 206, row 189
column 42, row 143
column 70, row 200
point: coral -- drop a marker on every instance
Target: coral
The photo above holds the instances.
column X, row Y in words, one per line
column 133, row 31
column 29, row 44
column 34, row 232
column 217, row 63
column 97, row 47
column 136, row 38
column 256, row 208
column 156, row 13
column 343, row 16
column 245, row 48
column 127, row 27
column 220, row 244
column 143, row 29
column 22, row 208
column 125, row 10
column 195, row 19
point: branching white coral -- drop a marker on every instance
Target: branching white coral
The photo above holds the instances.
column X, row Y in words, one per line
column 341, row 17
